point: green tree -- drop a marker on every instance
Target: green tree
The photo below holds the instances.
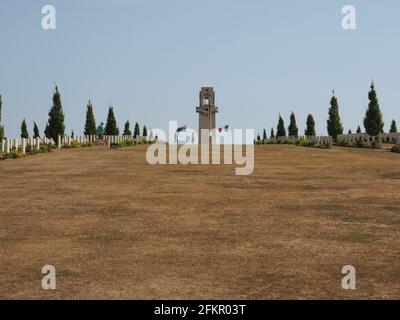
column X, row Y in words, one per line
column 281, row 131
column 359, row 129
column 334, row 124
column 265, row 135
column 293, row 130
column 272, row 133
column 349, row 131
column 90, row 124
column 393, row 127
column 144, row 131
column 373, row 122
column 36, row 133
column 310, row 131
column 258, row 139
column 127, row 131
column 55, row 126
column 111, row 125
column 2, row 132
column 72, row 134
column 24, row 130
column 137, row 130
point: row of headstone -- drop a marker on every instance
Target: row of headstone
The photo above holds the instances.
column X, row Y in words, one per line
column 320, row 140
column 8, row 145
column 326, row 141
column 391, row 137
column 117, row 139
column 67, row 140
column 365, row 138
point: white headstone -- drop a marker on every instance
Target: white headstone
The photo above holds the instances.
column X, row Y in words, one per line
column 8, row 146
column 23, row 146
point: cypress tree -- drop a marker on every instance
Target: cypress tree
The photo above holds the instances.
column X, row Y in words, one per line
column 55, row 126
column 393, row 127
column 1, row 126
column 265, row 135
column 137, row 130
column 144, row 131
column 358, row 129
column 310, row 131
column 349, row 131
column 334, row 124
column 24, row 130
column 111, row 125
column 36, row 133
column 127, row 131
column 90, row 124
column 258, row 139
column 272, row 133
column 373, row 122
column 281, row 131
column 72, row 134
column 293, row 130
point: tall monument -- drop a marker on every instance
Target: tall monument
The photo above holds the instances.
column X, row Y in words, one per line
column 206, row 110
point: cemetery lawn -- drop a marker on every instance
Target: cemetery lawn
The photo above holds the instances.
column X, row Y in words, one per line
column 115, row 227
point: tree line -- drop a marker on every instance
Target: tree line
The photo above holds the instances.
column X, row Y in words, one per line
column 55, row 124
column 373, row 121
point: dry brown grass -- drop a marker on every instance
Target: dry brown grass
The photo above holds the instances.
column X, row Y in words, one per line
column 115, row 227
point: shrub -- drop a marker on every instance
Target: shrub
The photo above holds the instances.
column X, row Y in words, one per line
column 87, row 144
column 375, row 144
column 15, row 154
column 396, row 149
column 344, row 143
column 47, row 147
column 73, row 145
column 130, row 142
column 290, row 142
column 116, row 145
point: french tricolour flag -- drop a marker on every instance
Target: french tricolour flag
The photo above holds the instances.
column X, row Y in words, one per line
column 226, row 129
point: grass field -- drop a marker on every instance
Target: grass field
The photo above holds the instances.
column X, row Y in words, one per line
column 115, row 227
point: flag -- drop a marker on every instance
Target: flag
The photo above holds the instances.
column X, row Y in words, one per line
column 180, row 129
column 226, row 129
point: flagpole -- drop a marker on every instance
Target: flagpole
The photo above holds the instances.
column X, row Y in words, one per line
column 209, row 120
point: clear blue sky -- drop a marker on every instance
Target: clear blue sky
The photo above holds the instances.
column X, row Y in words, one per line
column 149, row 59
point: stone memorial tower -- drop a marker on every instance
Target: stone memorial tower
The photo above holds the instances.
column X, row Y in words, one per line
column 206, row 110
